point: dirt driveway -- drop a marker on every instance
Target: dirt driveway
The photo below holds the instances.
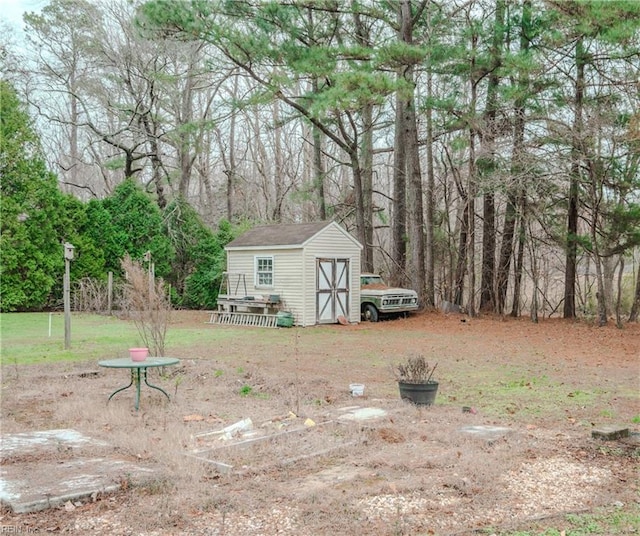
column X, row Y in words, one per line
column 311, row 464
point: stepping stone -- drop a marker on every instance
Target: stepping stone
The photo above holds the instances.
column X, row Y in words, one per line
column 489, row 433
column 610, row 432
column 356, row 413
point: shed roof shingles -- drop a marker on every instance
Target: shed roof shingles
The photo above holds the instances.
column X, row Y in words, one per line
column 281, row 234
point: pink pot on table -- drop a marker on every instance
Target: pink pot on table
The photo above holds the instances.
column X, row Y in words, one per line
column 138, row 354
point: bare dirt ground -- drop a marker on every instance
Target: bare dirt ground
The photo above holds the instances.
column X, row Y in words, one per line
column 412, row 471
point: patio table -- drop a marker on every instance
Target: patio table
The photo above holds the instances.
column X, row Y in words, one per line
column 139, row 372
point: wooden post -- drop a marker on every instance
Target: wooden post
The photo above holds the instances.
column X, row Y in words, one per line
column 109, row 292
column 68, row 257
column 152, row 283
column 147, row 257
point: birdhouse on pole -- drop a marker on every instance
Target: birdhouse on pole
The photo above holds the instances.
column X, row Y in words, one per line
column 68, row 251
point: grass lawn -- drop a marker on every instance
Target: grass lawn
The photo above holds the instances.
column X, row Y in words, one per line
column 34, row 338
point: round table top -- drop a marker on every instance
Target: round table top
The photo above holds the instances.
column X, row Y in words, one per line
column 127, row 362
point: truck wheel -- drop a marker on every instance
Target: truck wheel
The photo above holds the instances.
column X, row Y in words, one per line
column 370, row 313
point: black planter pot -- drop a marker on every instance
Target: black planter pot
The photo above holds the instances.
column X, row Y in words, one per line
column 422, row 394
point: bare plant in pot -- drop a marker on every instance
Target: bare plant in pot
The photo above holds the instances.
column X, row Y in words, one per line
column 414, row 380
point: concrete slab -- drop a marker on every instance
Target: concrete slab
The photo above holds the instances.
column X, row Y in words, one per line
column 43, row 441
column 30, row 487
column 44, row 469
column 487, row 433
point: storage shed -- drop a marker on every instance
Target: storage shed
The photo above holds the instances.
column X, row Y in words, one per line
column 311, row 270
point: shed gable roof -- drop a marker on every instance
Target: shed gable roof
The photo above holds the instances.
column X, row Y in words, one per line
column 283, row 235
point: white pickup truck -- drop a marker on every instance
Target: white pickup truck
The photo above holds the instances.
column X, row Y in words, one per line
column 377, row 299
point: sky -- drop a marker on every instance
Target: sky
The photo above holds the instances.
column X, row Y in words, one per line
column 11, row 10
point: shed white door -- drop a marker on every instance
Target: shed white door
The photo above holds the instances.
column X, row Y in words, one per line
column 332, row 290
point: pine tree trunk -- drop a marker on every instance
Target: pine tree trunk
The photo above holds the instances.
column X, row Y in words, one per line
column 366, row 260
column 231, row 165
column 318, row 172
column 366, row 159
column 572, row 215
column 461, row 264
column 364, row 172
column 415, row 205
column 399, row 221
column 633, row 315
column 619, row 294
column 411, row 165
column 472, row 187
column 185, row 136
column 488, row 166
column 430, row 298
column 517, row 278
column 506, row 252
column 517, row 171
column 278, row 166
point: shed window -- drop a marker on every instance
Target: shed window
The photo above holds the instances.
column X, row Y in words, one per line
column 264, row 271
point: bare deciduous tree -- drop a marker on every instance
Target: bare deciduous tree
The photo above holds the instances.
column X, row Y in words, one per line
column 145, row 301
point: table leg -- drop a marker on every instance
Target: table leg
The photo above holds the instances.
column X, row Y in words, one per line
column 155, row 386
column 122, row 388
column 137, row 379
